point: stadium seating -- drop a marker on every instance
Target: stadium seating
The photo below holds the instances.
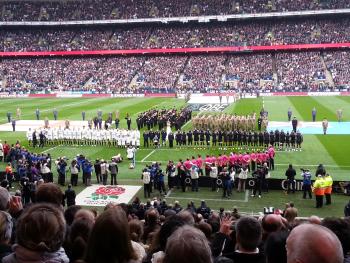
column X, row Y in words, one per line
column 102, row 10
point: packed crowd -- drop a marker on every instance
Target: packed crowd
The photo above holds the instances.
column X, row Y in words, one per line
column 179, row 74
column 301, row 71
column 283, row 32
column 202, row 73
column 157, row 231
column 160, row 73
column 102, row 10
column 336, row 63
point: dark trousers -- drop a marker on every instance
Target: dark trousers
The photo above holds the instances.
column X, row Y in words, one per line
column 307, row 190
column 98, row 178
column 291, row 185
column 213, row 184
column 74, row 179
column 328, row 199
column 147, row 190
column 194, row 183
column 104, row 179
column 161, row 187
column 257, row 187
column 272, row 164
column 61, row 179
column 183, row 183
column 114, row 179
column 319, row 201
column 171, row 182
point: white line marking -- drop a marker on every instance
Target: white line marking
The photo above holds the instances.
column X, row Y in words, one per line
column 246, row 195
column 185, row 124
column 50, row 149
column 168, row 194
column 148, row 155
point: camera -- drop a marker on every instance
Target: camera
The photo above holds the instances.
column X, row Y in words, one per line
column 269, row 210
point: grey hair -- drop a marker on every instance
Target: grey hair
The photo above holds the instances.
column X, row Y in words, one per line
column 6, row 226
column 5, row 198
column 187, row 245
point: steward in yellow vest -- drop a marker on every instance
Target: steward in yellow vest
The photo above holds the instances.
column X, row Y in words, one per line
column 318, row 189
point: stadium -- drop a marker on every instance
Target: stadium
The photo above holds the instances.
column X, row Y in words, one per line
column 211, row 120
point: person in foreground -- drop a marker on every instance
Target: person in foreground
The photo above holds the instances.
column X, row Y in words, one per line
column 310, row 243
column 40, row 234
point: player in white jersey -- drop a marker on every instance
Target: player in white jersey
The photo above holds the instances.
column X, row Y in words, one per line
column 29, row 136
column 60, row 135
column 49, row 136
column 78, row 136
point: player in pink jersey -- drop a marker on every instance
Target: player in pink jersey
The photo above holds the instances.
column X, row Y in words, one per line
column 253, row 160
column 200, row 164
column 271, row 152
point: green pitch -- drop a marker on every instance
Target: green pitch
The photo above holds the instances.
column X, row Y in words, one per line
column 331, row 150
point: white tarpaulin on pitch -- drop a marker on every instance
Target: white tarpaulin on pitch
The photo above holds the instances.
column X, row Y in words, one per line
column 101, row 195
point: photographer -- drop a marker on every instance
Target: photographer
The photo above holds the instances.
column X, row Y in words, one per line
column 87, row 171
column 74, row 171
column 61, row 169
column 306, row 183
column 291, row 173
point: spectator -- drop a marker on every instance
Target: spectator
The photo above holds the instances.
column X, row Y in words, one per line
column 341, row 228
column 6, row 225
column 275, row 247
column 40, row 234
column 110, row 240
column 78, row 238
column 49, row 193
column 313, row 243
column 187, row 244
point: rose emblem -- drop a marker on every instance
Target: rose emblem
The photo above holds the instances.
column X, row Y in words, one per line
column 107, row 192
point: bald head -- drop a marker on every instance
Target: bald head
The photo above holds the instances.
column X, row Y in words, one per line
column 310, row 243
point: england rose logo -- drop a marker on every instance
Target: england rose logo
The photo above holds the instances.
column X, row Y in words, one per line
column 107, row 192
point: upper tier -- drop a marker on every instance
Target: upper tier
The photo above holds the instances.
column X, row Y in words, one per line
column 131, row 9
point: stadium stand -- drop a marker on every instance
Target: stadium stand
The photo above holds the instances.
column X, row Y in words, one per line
column 131, row 9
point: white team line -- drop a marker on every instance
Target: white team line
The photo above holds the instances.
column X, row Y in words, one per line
column 50, row 149
column 148, row 155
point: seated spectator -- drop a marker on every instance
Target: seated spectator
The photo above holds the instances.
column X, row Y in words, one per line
column 78, row 238
column 275, row 247
column 313, row 244
column 85, row 214
column 49, row 193
column 248, row 238
column 110, row 240
column 5, row 234
column 160, row 240
column 341, row 228
column 187, row 245
column 40, row 234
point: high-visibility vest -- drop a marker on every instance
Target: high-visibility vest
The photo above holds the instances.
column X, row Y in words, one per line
column 328, row 184
column 318, row 186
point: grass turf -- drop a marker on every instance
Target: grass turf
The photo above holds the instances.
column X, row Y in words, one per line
column 331, row 150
